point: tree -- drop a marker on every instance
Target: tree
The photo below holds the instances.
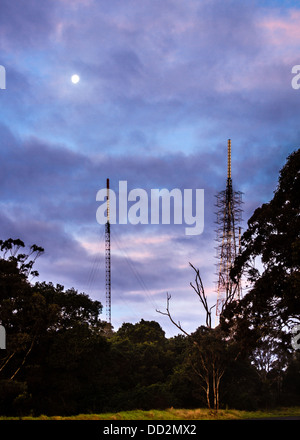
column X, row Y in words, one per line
column 38, row 317
column 10, row 253
column 21, row 320
column 270, row 259
column 208, row 356
column 143, row 331
column 139, row 365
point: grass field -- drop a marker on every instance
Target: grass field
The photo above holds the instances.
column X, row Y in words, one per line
column 174, row 414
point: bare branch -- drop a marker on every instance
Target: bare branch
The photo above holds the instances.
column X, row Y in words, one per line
column 167, row 313
column 199, row 289
column 24, row 359
column 6, row 360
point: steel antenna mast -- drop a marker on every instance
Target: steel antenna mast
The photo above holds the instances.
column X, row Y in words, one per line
column 107, row 261
column 229, row 215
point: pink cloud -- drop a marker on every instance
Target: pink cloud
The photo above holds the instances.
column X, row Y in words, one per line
column 283, row 32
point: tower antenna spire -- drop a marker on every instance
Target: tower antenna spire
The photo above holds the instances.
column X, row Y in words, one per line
column 229, row 215
column 229, row 159
column 107, row 260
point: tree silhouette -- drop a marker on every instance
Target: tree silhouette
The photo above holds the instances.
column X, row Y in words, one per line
column 273, row 239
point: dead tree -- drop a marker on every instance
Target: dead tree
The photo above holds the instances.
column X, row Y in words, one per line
column 199, row 289
column 209, row 365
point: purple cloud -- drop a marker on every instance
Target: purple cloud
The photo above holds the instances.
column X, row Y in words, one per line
column 163, row 86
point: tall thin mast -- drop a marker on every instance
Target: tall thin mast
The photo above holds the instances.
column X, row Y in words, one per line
column 107, row 261
column 229, row 159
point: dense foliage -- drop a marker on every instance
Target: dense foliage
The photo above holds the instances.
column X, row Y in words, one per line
column 270, row 254
column 60, row 359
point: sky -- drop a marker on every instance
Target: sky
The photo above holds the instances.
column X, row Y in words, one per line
column 163, row 85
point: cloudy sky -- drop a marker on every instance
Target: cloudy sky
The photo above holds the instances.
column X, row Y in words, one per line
column 163, row 85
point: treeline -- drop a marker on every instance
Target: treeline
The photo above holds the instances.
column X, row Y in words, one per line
column 61, row 359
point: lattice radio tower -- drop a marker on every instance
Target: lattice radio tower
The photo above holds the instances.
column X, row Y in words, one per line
column 107, row 261
column 229, row 217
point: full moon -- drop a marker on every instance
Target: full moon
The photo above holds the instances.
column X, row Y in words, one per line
column 75, row 79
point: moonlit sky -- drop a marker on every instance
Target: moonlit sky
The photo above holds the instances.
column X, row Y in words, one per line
column 163, row 85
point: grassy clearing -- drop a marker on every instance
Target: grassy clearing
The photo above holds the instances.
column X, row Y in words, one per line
column 174, row 414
